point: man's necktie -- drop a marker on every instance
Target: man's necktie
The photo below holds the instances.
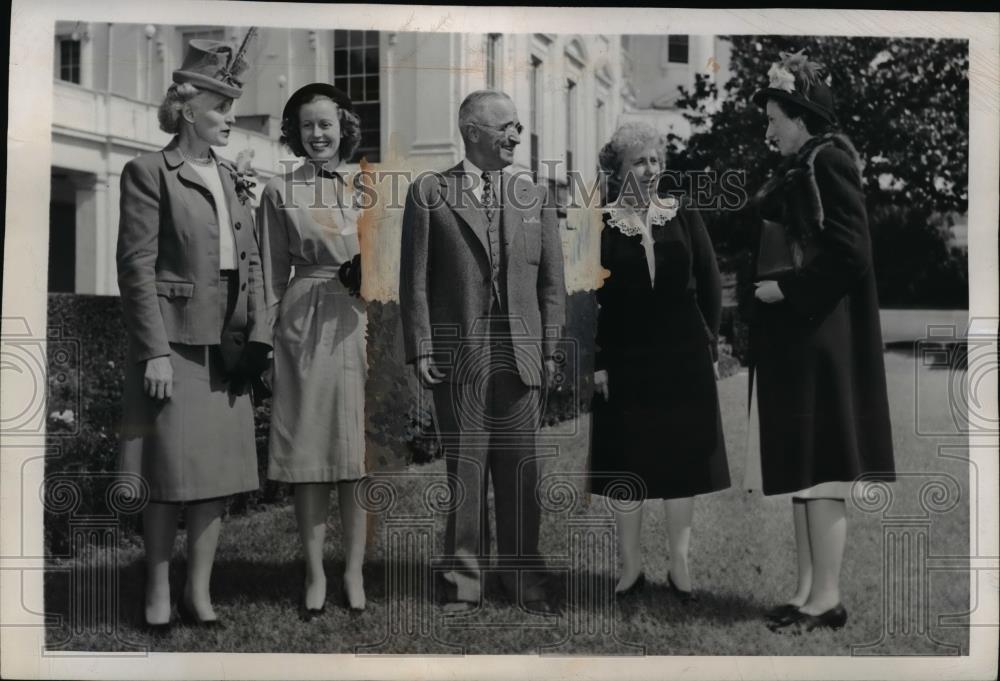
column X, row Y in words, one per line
column 489, row 198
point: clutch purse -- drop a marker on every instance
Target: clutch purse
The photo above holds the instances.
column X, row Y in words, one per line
column 778, row 255
column 232, row 345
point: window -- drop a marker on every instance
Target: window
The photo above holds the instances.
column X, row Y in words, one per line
column 677, row 49
column 69, row 60
column 534, row 114
column 356, row 72
column 571, row 105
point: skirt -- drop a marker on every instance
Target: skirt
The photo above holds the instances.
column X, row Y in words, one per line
column 199, row 444
column 659, row 436
column 318, row 382
column 753, row 480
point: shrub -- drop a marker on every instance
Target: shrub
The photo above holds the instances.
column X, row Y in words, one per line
column 914, row 265
column 86, row 375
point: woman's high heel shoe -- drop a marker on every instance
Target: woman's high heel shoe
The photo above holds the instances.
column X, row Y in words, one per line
column 355, row 610
column 309, row 614
column 154, row 630
column 635, row 587
column 834, row 618
column 782, row 614
column 190, row 617
column 682, row 595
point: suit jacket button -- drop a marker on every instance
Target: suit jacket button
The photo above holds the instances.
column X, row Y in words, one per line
column 243, row 255
column 237, row 225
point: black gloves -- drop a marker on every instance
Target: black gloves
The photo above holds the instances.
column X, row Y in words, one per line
column 350, row 275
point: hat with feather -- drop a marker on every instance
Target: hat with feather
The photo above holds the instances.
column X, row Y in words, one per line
column 797, row 80
column 213, row 65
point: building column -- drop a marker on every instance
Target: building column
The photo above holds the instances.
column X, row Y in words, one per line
column 88, row 235
column 96, row 235
column 106, row 203
column 436, row 118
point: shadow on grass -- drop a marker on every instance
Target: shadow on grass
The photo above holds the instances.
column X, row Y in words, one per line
column 259, row 602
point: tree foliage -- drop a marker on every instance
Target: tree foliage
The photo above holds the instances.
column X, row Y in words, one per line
column 903, row 102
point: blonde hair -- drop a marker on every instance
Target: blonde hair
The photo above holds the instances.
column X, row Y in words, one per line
column 627, row 136
column 169, row 113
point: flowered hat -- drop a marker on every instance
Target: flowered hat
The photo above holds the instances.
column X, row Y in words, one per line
column 797, row 80
column 214, row 65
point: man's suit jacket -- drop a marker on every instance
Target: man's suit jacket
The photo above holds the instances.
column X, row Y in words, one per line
column 445, row 282
column 168, row 256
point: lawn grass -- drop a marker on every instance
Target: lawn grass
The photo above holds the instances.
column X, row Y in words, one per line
column 742, row 562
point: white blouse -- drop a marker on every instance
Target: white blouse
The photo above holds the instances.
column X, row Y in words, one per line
column 209, row 174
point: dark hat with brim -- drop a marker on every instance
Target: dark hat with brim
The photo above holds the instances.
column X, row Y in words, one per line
column 307, row 92
column 797, row 81
column 209, row 65
column 820, row 103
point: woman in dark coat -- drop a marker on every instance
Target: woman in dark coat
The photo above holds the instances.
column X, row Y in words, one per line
column 190, row 281
column 816, row 342
column 657, row 432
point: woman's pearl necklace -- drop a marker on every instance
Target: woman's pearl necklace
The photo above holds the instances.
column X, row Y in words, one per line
column 200, row 161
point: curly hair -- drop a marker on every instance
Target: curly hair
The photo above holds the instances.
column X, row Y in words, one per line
column 169, row 113
column 350, row 131
column 612, row 155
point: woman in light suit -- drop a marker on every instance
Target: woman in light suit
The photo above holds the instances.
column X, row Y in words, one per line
column 190, row 280
column 308, row 220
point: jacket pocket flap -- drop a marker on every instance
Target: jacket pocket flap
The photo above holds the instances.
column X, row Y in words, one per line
column 175, row 289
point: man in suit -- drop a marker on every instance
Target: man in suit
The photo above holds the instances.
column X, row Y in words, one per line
column 482, row 297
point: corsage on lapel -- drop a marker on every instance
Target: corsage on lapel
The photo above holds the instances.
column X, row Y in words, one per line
column 629, row 222
column 243, row 173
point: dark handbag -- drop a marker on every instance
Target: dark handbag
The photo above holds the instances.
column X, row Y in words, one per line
column 350, row 275
column 778, row 255
column 232, row 345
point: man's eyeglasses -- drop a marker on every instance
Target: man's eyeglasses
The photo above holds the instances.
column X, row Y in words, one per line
column 502, row 129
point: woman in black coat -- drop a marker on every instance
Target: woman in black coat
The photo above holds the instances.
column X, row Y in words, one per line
column 816, row 342
column 657, row 431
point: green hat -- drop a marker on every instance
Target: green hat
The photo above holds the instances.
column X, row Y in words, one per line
column 213, row 65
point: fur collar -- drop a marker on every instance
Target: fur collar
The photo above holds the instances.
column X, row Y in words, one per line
column 799, row 172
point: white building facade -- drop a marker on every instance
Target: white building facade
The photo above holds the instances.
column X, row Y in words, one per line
column 570, row 92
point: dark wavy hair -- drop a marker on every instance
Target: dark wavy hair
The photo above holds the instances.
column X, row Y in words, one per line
column 815, row 124
column 350, row 131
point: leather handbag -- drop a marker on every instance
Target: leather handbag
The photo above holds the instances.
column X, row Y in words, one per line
column 778, row 255
column 232, row 345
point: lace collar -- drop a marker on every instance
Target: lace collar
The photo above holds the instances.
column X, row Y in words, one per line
column 631, row 222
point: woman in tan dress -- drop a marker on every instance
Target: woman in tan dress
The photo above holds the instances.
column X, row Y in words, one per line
column 190, row 281
column 307, row 220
